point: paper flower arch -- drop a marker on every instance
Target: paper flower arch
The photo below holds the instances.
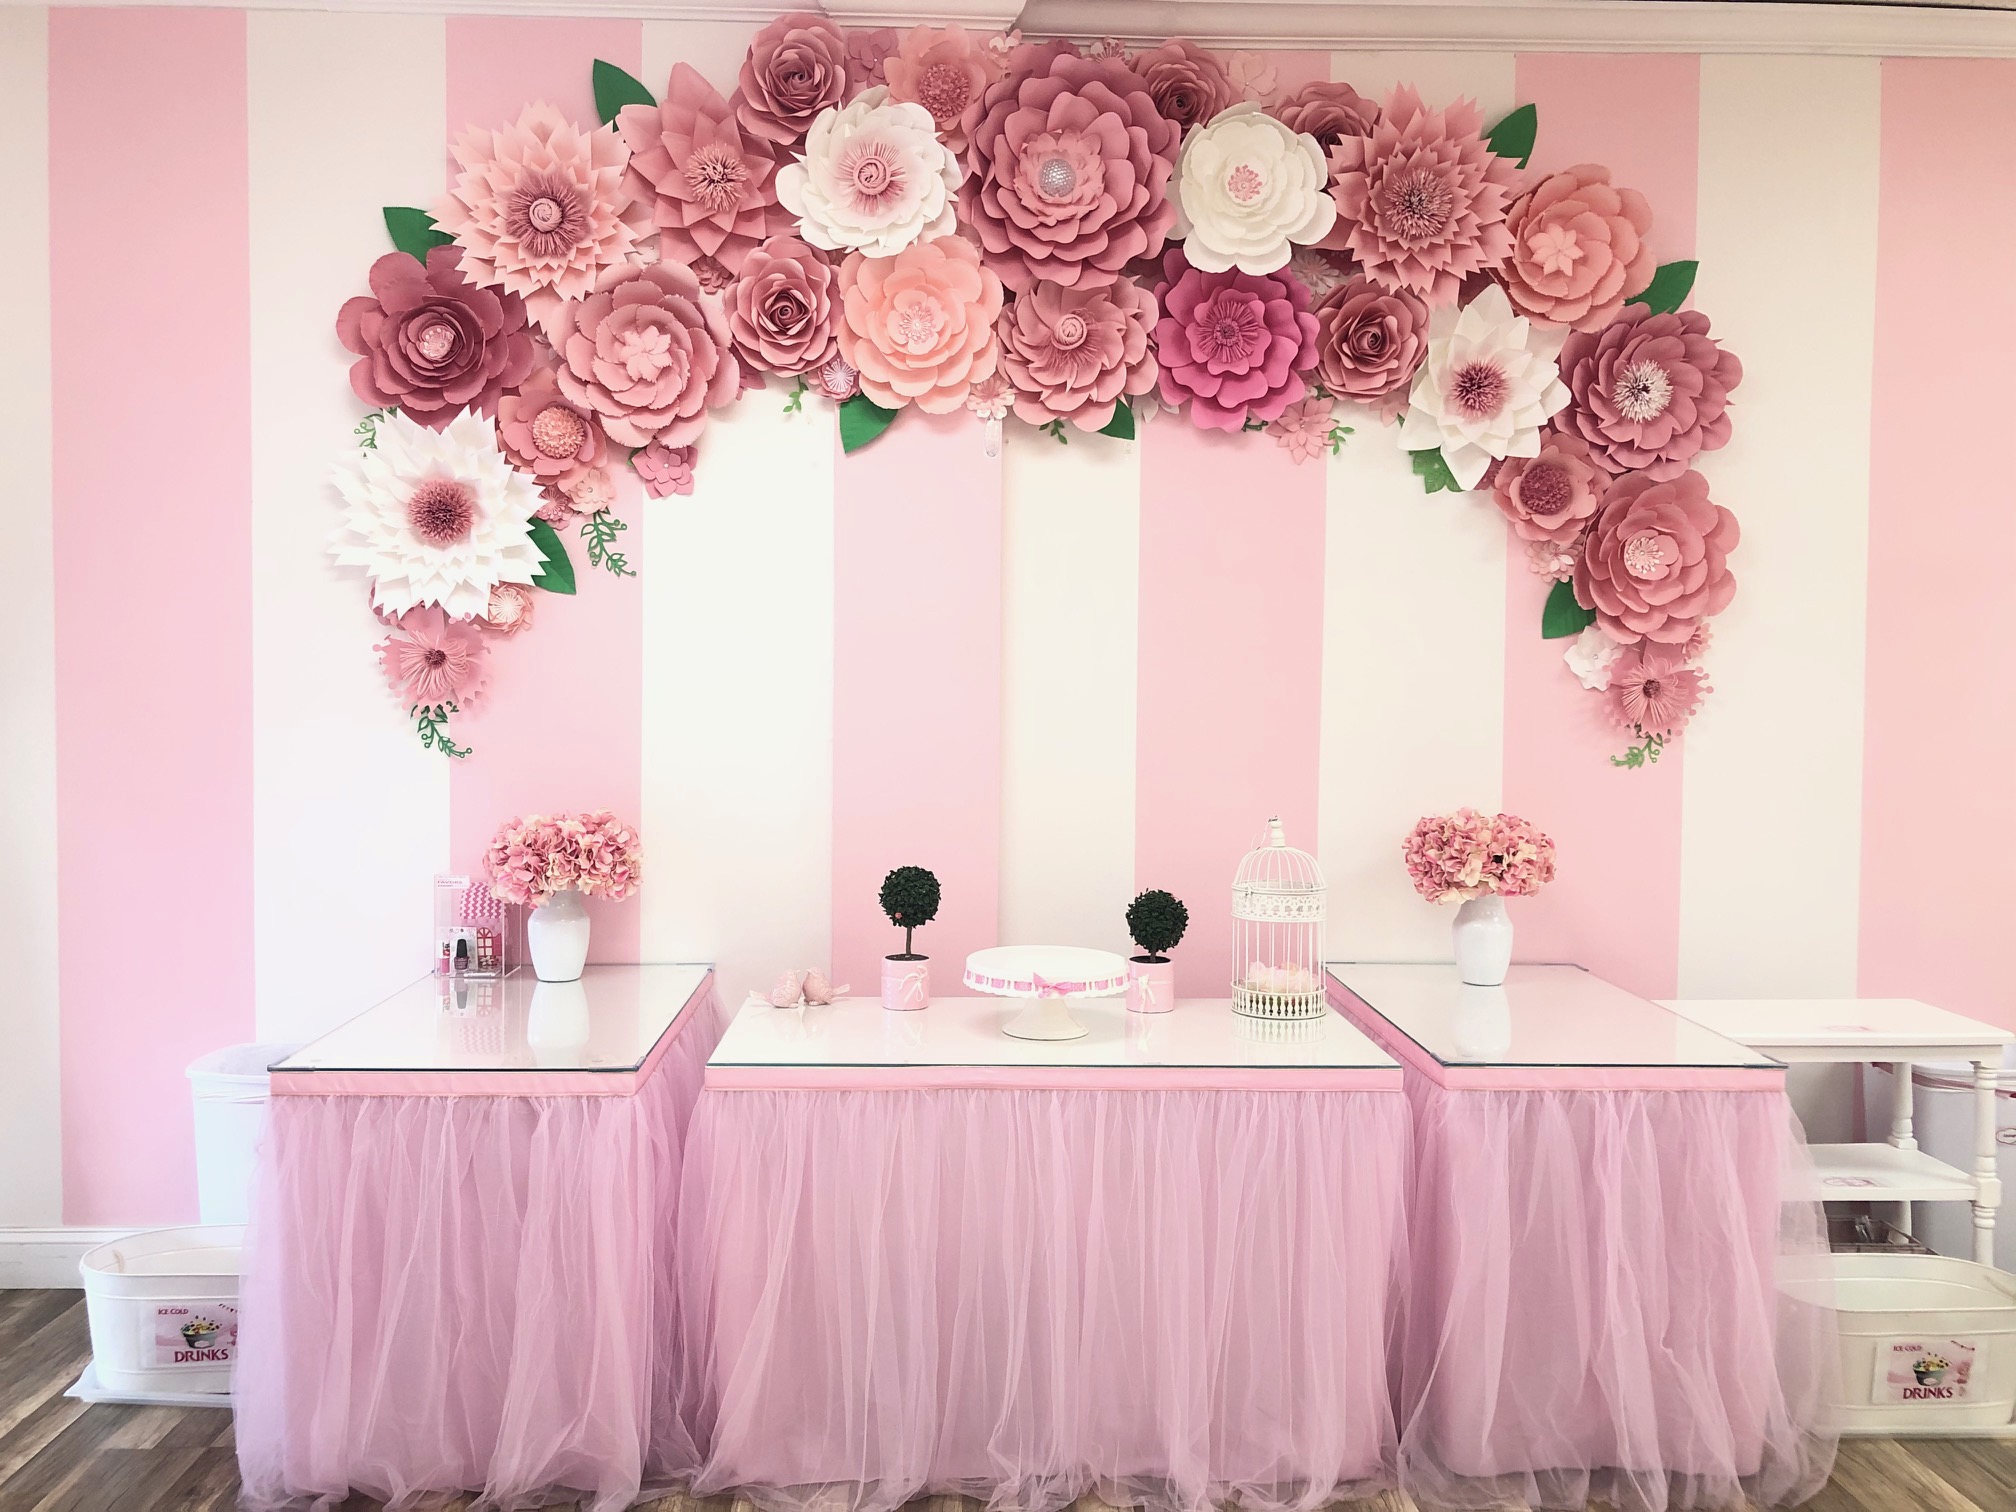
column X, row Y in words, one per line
column 1077, row 237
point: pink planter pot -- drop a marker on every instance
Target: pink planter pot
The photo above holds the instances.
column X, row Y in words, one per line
column 906, row 984
column 1151, row 986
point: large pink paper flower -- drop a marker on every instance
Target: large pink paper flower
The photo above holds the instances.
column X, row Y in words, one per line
column 783, row 308
column 944, row 69
column 1233, row 344
column 797, row 67
column 1071, row 163
column 1072, row 354
column 1656, row 562
column 1550, row 496
column 554, row 438
column 711, row 187
column 1578, row 248
column 1653, row 691
column 647, row 354
column 540, row 206
column 430, row 341
column 1188, row 84
column 430, row 659
column 1328, row 112
column 1369, row 343
column 1650, row 392
column 1421, row 200
column 919, row 326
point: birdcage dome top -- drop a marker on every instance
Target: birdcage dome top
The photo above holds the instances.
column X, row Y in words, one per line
column 1277, row 867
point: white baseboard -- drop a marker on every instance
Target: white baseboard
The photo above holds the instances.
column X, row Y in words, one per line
column 48, row 1256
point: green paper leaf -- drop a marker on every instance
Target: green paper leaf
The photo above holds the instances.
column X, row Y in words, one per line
column 556, row 574
column 1434, row 472
column 1513, row 136
column 1122, row 423
column 1669, row 288
column 1564, row 617
column 599, row 532
column 614, row 89
column 413, row 231
column 861, row 421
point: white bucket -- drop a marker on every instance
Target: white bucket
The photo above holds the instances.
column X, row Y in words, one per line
column 229, row 1087
column 1942, row 1108
column 163, row 1306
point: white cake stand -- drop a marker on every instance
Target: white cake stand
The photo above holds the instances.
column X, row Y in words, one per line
column 1049, row 976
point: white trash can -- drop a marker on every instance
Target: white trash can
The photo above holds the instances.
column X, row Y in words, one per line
column 163, row 1306
column 229, row 1087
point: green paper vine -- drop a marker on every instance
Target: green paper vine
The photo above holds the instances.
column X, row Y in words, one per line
column 431, row 720
column 1642, row 755
column 599, row 530
column 1055, row 431
column 367, row 428
column 1336, row 437
column 795, row 404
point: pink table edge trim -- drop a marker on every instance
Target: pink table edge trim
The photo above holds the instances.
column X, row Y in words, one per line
column 734, row 1078
column 1395, row 1042
column 573, row 1083
column 1015, row 986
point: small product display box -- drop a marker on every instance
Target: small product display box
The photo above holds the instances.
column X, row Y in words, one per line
column 475, row 935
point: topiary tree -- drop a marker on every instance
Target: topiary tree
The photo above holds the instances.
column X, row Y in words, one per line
column 1157, row 920
column 910, row 898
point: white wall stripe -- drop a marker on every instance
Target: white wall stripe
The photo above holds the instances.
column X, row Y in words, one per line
column 1771, row 826
column 31, row 1177
column 350, row 815
column 1070, row 591
column 738, row 700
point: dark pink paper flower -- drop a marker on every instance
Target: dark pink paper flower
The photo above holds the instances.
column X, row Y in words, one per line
column 797, row 67
column 783, row 308
column 1070, row 170
column 1578, row 248
column 1551, row 496
column 946, row 70
column 1233, row 344
column 868, row 50
column 1188, row 84
column 665, row 469
column 431, row 342
column 1328, row 112
column 647, row 354
column 1651, row 392
column 548, row 435
column 1656, row 560
column 430, row 659
column 1369, row 343
column 1653, row 691
column 1421, row 200
column 1073, row 354
column 710, row 186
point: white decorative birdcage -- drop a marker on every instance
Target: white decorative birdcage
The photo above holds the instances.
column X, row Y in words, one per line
column 1278, row 899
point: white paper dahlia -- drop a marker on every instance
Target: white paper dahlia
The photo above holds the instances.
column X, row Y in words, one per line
column 1248, row 191
column 873, row 177
column 1489, row 383
column 436, row 517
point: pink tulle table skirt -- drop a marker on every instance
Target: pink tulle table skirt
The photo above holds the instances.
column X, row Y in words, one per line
column 1169, row 1297
column 447, row 1293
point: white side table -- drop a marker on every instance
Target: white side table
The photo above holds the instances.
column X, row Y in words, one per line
column 1868, row 1030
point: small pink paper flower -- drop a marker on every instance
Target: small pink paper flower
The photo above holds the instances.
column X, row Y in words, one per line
column 1328, row 112
column 1304, row 429
column 431, row 342
column 665, row 469
column 546, row 434
column 710, row 186
column 1233, row 344
column 784, row 307
column 1552, row 495
column 1074, row 354
column 1552, row 560
column 1653, row 691
column 1578, row 248
column 919, row 326
column 1188, row 84
column 991, row 398
column 796, row 67
column 868, row 50
column 947, row 71
column 1650, row 392
column 430, row 659
column 510, row 609
column 1655, row 562
column 647, row 354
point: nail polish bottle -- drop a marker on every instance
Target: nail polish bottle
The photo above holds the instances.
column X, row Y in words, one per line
column 461, row 955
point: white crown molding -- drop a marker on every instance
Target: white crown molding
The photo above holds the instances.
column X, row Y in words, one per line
column 43, row 1257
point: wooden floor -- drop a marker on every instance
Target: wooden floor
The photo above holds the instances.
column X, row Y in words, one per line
column 57, row 1455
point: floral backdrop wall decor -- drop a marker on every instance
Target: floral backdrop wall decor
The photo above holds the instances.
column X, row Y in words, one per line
column 1077, row 237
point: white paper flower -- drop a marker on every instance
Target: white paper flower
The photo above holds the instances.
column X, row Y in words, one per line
column 1248, row 191
column 1590, row 656
column 873, row 178
column 1488, row 385
column 436, row 517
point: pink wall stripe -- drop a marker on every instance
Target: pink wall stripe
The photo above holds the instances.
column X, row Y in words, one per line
column 916, row 692
column 1939, row 720
column 563, row 728
column 1231, row 669
column 1615, row 905
column 153, row 501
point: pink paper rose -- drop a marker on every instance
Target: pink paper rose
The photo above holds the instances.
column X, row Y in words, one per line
column 711, row 187
column 1656, row 561
column 647, row 354
column 783, row 308
column 1328, row 112
column 797, row 67
column 1578, row 248
column 1073, row 354
column 1233, row 344
column 1369, row 343
column 1552, row 495
column 548, row 435
column 1650, row 392
column 431, row 342
column 919, row 326
column 431, row 660
column 1187, row 84
column 947, row 71
column 664, row 469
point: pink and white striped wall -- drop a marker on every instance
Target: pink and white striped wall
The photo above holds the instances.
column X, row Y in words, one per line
column 1053, row 677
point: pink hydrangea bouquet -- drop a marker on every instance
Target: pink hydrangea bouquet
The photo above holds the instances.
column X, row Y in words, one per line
column 531, row 860
column 1459, row 856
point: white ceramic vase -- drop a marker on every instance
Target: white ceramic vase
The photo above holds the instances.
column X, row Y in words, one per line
column 556, row 1022
column 557, row 936
column 1483, row 933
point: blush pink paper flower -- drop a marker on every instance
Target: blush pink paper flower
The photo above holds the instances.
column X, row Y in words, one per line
column 796, row 67
column 1552, row 495
column 1303, row 430
column 429, row 659
column 541, row 207
column 666, row 470
column 1233, row 344
column 837, row 378
column 1188, row 85
column 947, row 71
column 431, row 342
column 510, row 609
column 919, row 326
column 1421, row 200
column 1328, row 112
column 1073, row 354
column 1656, row 559
column 548, row 435
column 1650, row 392
column 1369, row 343
column 1578, row 248
column 1552, row 560
column 647, row 354
column 1653, row 691
column 711, row 186
column 1070, row 170
column 783, row 308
